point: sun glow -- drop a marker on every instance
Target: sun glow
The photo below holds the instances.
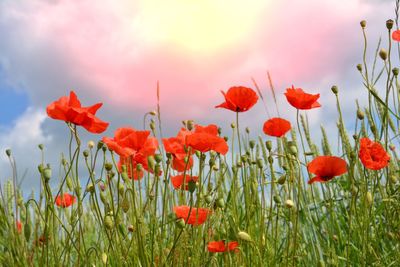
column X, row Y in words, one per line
column 201, row 26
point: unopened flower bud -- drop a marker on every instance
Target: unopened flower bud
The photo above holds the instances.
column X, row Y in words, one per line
column 247, row 130
column 90, row 188
column 389, row 24
column 190, row 125
column 395, row 71
column 192, row 186
column 233, row 125
column 383, row 54
column 226, row 138
column 208, row 199
column 252, row 144
column 153, row 126
column 8, row 152
column 360, row 114
column 47, row 173
column 220, row 203
column 219, row 130
column 282, row 180
column 108, row 222
column 393, row 179
column 293, row 150
column 268, row 145
column 104, row 258
column 125, row 204
column 85, row 153
column 363, row 24
column 90, row 144
column 153, row 113
column 359, row 67
column 334, row 89
column 180, row 223
column 158, row 158
column 100, row 145
column 277, row 199
column 40, row 146
column 151, row 162
column 131, row 228
column 108, row 166
column 369, row 199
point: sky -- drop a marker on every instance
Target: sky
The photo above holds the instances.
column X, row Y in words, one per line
column 115, row 52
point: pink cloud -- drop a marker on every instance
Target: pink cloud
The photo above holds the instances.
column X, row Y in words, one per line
column 105, row 45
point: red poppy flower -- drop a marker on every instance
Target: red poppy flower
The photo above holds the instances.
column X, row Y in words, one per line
column 219, row 246
column 276, row 127
column 326, row 167
column 133, row 147
column 177, row 147
column 216, row 246
column 69, row 109
column 239, row 99
column 372, row 154
column 301, row 100
column 19, row 226
column 233, row 245
column 396, row 35
column 178, row 181
column 65, row 200
column 205, row 138
column 197, row 216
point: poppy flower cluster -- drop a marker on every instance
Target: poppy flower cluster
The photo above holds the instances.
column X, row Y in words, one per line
column 326, row 168
column 222, row 246
column 133, row 147
column 69, row 109
column 206, row 138
column 65, row 200
column 372, row 155
column 192, row 216
column 239, row 99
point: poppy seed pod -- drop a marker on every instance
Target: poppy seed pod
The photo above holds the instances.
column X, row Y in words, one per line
column 383, row 54
column 158, row 158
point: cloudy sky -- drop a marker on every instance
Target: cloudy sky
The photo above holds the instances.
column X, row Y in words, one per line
column 115, row 52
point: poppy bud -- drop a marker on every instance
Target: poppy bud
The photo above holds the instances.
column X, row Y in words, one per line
column 289, row 203
column 369, row 199
column 192, row 186
column 270, row 159
column 27, row 231
column 268, row 145
column 153, row 113
column 121, row 189
column 125, row 204
column 40, row 168
column 100, row 145
column 389, row 24
column 247, row 130
column 104, row 258
column 190, row 125
column 40, row 146
column 198, row 153
column 131, row 228
column 90, row 144
column 151, row 162
column 334, row 89
column 180, row 223
column 220, row 203
column 293, row 150
column 158, row 158
column 8, row 152
column 243, row 236
column 277, row 199
column 233, row 125
column 282, row 180
column 260, row 163
column 219, row 130
column 360, row 114
column 208, row 199
column 252, row 144
column 383, row 54
column 111, row 175
column 226, row 138
column 215, row 168
column 103, row 197
column 359, row 67
column 90, row 188
column 85, row 153
column 104, row 148
column 393, row 179
column 108, row 222
column 395, row 71
column 363, row 24
column 108, row 166
column 47, row 173
column 355, row 137
column 77, row 190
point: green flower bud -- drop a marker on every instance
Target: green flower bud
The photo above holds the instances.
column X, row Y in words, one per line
column 360, row 114
column 208, row 199
column 85, row 153
column 243, row 236
column 125, row 204
column 383, row 54
column 268, row 145
column 252, row 144
column 151, row 162
column 100, row 145
column 47, row 173
column 334, row 89
column 282, row 180
column 363, row 24
column 40, row 146
column 369, row 199
column 233, row 125
column 180, row 223
column 220, row 203
column 395, row 71
column 190, row 125
column 192, row 186
column 158, row 158
column 108, row 222
column 359, row 67
column 389, row 24
column 277, row 199
column 8, row 152
column 90, row 188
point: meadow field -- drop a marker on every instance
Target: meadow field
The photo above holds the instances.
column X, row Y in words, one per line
column 211, row 198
